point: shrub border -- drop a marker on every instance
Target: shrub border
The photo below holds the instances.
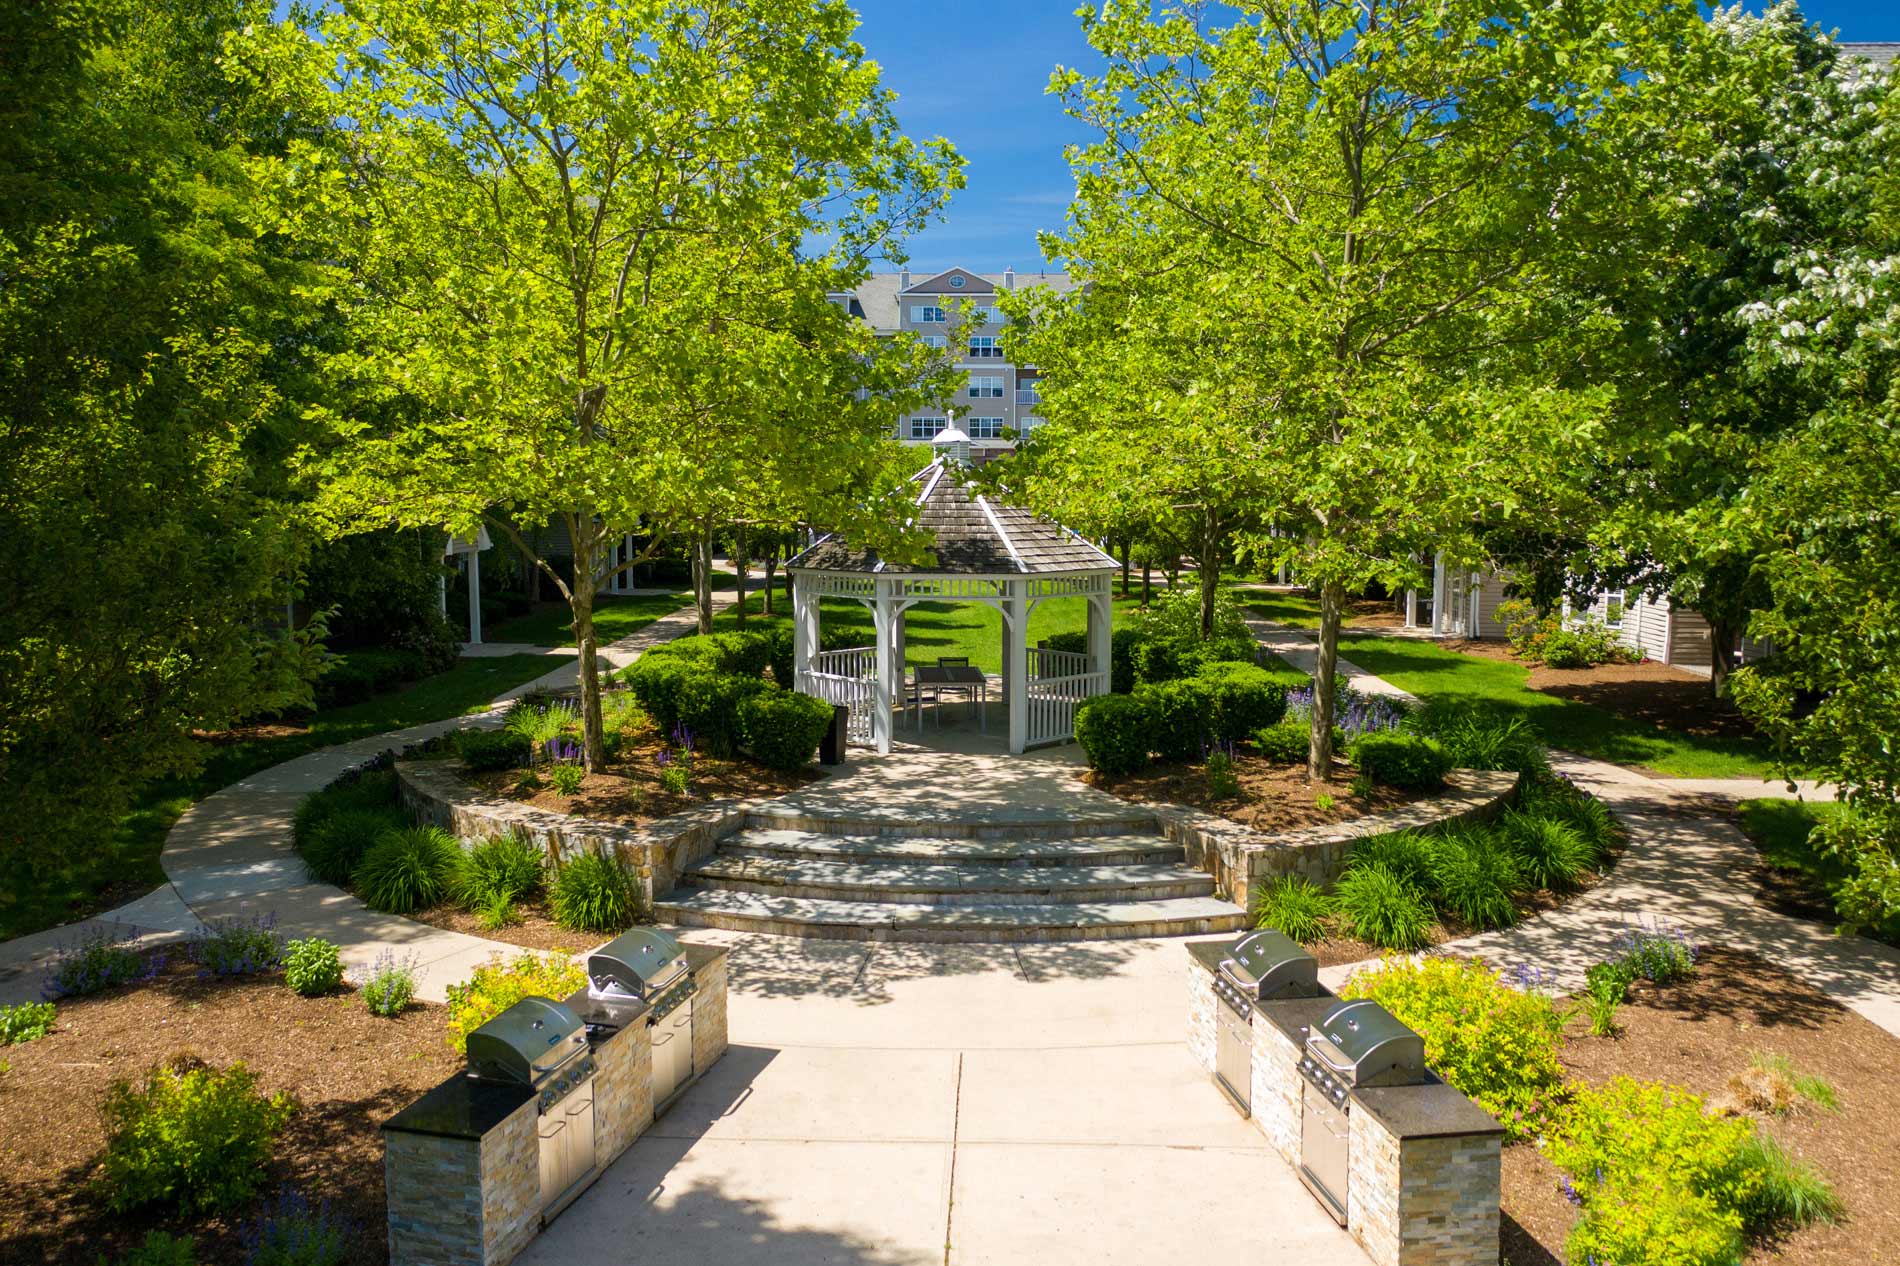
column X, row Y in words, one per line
column 1239, row 857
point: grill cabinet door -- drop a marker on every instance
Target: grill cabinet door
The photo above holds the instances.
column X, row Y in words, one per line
column 551, row 1128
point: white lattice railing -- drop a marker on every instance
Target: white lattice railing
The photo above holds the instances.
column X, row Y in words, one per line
column 1053, row 700
column 849, row 677
column 858, row 662
column 1046, row 663
column 857, row 694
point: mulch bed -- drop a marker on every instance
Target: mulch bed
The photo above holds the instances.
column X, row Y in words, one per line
column 1272, row 797
column 536, row 930
column 629, row 792
column 1699, row 1034
column 1645, row 691
column 348, row 1069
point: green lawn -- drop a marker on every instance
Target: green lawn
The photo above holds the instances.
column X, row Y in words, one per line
column 550, row 624
column 1295, row 610
column 1781, row 831
column 1434, row 673
column 128, row 865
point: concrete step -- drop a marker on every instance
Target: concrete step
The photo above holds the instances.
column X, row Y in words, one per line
column 990, row 924
column 954, row 820
column 946, row 883
column 1081, row 850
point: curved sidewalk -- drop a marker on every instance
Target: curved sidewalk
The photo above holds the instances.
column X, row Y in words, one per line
column 229, row 856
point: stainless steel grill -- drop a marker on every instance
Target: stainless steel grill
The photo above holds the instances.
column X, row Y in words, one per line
column 1358, row 1044
column 541, row 1044
column 1259, row 967
column 648, row 966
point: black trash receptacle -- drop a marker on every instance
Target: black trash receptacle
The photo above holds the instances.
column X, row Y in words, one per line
column 831, row 747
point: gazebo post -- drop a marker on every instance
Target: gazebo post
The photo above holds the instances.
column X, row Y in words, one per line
column 804, row 629
column 1100, row 623
column 881, row 617
column 1016, row 672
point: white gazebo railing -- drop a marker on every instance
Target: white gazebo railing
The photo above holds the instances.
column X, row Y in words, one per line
column 847, row 677
column 1058, row 683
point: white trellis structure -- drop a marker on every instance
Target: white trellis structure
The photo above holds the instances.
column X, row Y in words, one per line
column 987, row 553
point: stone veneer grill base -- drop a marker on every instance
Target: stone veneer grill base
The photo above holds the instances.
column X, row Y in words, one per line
column 462, row 1165
column 1424, row 1180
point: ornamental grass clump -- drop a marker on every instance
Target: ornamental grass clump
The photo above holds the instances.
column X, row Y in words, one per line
column 507, row 867
column 1406, row 854
column 1294, row 905
column 339, row 842
column 1378, row 906
column 191, row 1137
column 595, row 893
column 1549, row 851
column 1495, row 1043
column 1474, row 878
column 407, row 870
column 371, row 790
column 498, row 984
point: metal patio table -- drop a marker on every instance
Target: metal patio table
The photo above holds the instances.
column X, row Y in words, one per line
column 970, row 681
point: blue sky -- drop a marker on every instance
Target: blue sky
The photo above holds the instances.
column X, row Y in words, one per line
column 976, row 73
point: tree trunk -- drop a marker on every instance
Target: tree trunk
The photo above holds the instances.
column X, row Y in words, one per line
column 771, row 567
column 740, row 566
column 703, row 551
column 1147, row 581
column 1209, row 564
column 1125, row 569
column 1723, row 639
column 1319, row 755
column 581, row 603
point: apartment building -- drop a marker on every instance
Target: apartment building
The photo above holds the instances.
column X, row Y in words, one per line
column 956, row 310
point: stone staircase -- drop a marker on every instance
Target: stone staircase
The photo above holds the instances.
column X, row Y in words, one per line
column 989, row 880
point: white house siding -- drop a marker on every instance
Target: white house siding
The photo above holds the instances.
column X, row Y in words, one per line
column 1466, row 603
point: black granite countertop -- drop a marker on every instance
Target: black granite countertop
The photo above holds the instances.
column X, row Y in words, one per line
column 462, row 1107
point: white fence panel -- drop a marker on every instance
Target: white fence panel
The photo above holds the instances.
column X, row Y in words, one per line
column 1053, row 700
column 847, row 677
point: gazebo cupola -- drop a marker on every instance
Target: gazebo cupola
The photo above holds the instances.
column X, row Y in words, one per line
column 985, row 551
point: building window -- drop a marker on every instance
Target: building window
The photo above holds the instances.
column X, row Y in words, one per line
column 986, row 388
column 1613, row 605
column 956, row 283
column 1026, row 394
column 936, row 340
column 984, row 428
column 926, row 314
column 925, row 428
column 983, row 347
column 988, row 314
column 1028, row 424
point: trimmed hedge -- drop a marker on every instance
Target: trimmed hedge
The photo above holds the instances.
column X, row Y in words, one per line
column 783, row 729
column 1181, row 715
column 359, row 675
column 484, row 750
column 1245, row 697
column 1408, row 761
column 1121, row 659
column 1116, row 732
column 1075, row 643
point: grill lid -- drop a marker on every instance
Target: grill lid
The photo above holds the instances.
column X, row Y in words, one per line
column 636, row 964
column 527, row 1043
column 1366, row 1045
column 1270, row 964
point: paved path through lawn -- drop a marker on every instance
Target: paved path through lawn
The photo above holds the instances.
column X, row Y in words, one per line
column 1300, row 649
column 229, row 855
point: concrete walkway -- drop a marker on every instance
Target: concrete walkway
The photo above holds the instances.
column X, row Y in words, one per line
column 1300, row 649
column 229, row 856
column 927, row 1104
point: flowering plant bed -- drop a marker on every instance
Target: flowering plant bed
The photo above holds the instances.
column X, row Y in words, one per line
column 1757, row 1044
column 346, row 1069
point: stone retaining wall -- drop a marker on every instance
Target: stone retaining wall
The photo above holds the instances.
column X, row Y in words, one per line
column 1239, row 857
column 438, row 791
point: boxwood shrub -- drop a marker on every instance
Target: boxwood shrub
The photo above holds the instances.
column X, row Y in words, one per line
column 1495, row 1043
column 1408, row 761
column 1244, row 698
column 1180, row 717
column 782, row 728
column 1116, row 732
column 1121, row 659
column 708, row 703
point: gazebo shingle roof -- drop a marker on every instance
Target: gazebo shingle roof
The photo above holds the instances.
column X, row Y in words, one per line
column 974, row 536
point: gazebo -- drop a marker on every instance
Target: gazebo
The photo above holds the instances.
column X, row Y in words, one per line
column 986, row 552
